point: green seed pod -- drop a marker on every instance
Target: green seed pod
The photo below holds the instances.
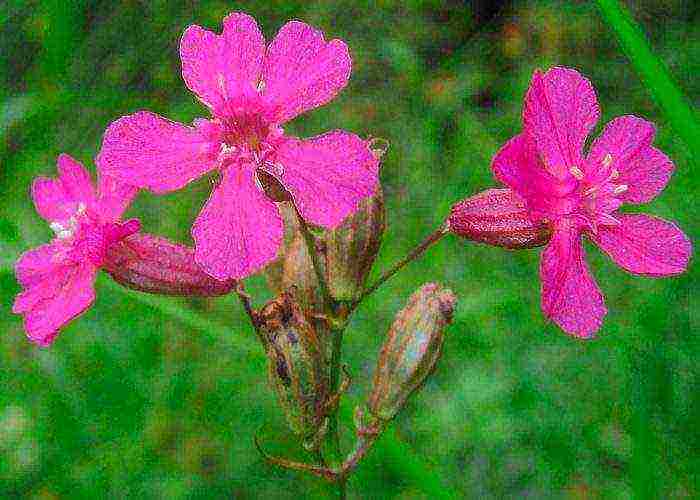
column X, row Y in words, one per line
column 352, row 247
column 411, row 349
column 296, row 367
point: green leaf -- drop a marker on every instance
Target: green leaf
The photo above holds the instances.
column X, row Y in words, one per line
column 654, row 74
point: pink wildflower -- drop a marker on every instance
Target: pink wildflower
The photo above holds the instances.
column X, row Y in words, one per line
column 58, row 278
column 577, row 194
column 251, row 91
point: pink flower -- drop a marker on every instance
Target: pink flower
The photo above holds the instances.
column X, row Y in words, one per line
column 251, row 90
column 579, row 194
column 58, row 278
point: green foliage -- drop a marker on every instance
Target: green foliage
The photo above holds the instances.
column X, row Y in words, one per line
column 152, row 397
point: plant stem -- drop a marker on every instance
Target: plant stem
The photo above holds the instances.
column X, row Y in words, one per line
column 337, row 327
column 245, row 300
column 429, row 241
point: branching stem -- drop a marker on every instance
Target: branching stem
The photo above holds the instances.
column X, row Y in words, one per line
column 429, row 241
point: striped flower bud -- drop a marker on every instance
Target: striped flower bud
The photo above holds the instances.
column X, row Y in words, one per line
column 296, row 368
column 153, row 264
column 497, row 217
column 411, row 349
column 352, row 247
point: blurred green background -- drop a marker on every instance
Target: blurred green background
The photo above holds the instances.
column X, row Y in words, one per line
column 160, row 398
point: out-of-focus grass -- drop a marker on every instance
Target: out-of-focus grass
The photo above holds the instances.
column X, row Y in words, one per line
column 141, row 397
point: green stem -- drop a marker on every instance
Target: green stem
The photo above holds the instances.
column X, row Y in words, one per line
column 654, row 73
column 429, row 241
column 337, row 320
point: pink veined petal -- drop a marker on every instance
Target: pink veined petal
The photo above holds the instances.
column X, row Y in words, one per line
column 239, row 229
column 328, row 175
column 646, row 245
column 113, row 197
column 51, row 200
column 36, row 264
column 303, row 71
column 643, row 169
column 224, row 68
column 53, row 302
column 570, row 296
column 560, row 110
column 59, row 199
column 76, row 180
column 516, row 165
column 149, row 151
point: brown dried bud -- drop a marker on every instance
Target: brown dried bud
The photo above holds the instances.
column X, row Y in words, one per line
column 497, row 217
column 411, row 349
column 154, row 264
column 296, row 367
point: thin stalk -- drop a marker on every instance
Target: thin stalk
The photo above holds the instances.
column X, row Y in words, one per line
column 429, row 241
column 250, row 312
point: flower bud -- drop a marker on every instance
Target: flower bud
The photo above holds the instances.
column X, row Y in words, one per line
column 411, row 349
column 296, row 368
column 352, row 247
column 497, row 217
column 153, row 264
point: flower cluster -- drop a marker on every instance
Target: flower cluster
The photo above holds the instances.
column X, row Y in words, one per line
column 251, row 90
column 555, row 193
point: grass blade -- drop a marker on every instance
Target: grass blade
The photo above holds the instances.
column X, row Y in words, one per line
column 654, row 74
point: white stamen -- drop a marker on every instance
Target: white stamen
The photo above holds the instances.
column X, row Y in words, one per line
column 261, row 86
column 607, row 160
column 590, row 191
column 620, row 189
column 81, row 208
column 56, row 227
column 64, row 232
column 614, row 174
column 576, row 172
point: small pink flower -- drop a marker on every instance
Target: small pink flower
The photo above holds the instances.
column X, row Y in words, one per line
column 58, row 278
column 251, row 90
column 579, row 194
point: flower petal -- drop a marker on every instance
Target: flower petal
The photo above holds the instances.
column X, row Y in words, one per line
column 647, row 245
column 560, row 110
column 303, row 71
column 328, row 175
column 223, row 69
column 570, row 296
column 643, row 169
column 239, row 230
column 76, row 180
column 35, row 264
column 55, row 300
column 113, row 197
column 517, row 166
column 149, row 151
column 59, row 199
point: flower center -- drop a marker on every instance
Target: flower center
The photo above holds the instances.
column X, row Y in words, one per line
column 250, row 138
column 598, row 194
